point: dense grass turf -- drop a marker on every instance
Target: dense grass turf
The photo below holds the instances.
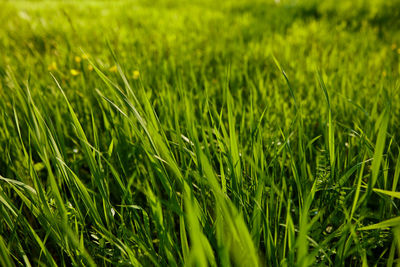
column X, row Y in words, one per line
column 199, row 133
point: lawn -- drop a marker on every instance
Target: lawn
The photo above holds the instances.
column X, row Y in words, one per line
column 200, row 133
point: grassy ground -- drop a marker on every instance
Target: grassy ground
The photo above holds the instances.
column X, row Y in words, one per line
column 244, row 133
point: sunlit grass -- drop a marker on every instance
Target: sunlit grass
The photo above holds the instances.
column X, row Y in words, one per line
column 243, row 133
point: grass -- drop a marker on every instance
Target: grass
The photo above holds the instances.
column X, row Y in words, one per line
column 243, row 133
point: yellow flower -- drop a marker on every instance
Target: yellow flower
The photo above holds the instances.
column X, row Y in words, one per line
column 136, row 74
column 113, row 69
column 52, row 66
column 398, row 51
column 74, row 72
column 384, row 74
column 90, row 67
column 85, row 56
column 77, row 59
column 394, row 46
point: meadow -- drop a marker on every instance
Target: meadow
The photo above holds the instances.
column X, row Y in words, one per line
column 199, row 133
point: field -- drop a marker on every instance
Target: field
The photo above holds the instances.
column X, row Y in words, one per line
column 200, row 133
